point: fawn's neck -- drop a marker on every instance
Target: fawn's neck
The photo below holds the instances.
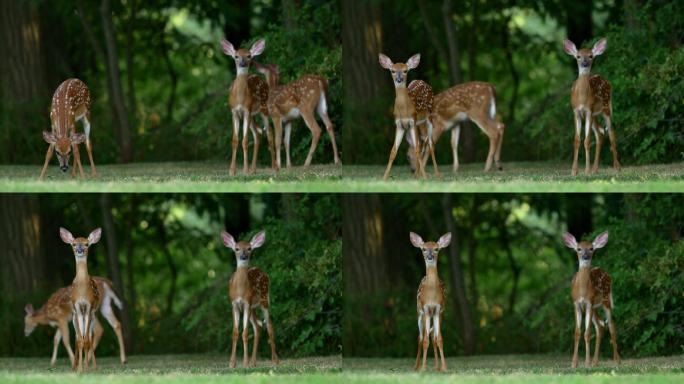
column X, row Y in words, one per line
column 583, row 279
column 431, row 274
column 81, row 271
column 40, row 316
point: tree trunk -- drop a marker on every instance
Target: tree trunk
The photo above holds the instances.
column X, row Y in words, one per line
column 126, row 154
column 365, row 268
column 130, row 27
column 113, row 264
column 579, row 22
column 22, row 264
column 362, row 41
column 460, row 300
column 578, row 214
column 22, row 78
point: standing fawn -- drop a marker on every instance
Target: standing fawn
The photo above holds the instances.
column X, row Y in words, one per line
column 248, row 97
column 71, row 102
column 57, row 312
column 86, row 297
column 430, row 300
column 591, row 289
column 475, row 101
column 248, row 290
column 590, row 97
column 303, row 98
column 412, row 106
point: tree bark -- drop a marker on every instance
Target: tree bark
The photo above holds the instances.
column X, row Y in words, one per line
column 460, row 300
column 114, row 265
column 362, row 41
column 21, row 262
column 126, row 154
column 22, row 76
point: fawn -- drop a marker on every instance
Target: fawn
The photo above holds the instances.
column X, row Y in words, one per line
column 591, row 289
column 86, row 297
column 248, row 290
column 301, row 97
column 70, row 103
column 412, row 107
column 590, row 97
column 475, row 101
column 57, row 312
column 430, row 300
column 248, row 97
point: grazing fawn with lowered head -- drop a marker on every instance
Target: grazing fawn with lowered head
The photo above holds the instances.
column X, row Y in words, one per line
column 70, row 103
column 430, row 301
column 412, row 107
column 301, row 98
column 248, row 291
column 86, row 297
column 247, row 98
column 591, row 289
column 474, row 101
column 57, row 312
column 591, row 97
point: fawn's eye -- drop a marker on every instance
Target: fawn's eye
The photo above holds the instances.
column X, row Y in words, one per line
column 578, row 249
column 591, row 249
column 591, row 56
column 249, row 56
column 577, row 57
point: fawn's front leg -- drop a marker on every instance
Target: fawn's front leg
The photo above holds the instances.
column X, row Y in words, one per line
column 236, row 325
column 398, row 136
column 599, row 334
column 257, row 332
column 578, row 129
column 234, row 142
column 246, row 118
column 421, row 322
column 587, row 335
column 439, row 340
column 587, row 142
column 245, row 333
column 578, row 322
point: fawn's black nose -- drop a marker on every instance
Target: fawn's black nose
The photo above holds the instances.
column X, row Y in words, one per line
column 64, row 168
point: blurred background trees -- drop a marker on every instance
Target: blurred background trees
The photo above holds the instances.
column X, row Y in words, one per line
column 517, row 46
column 166, row 259
column 157, row 76
column 507, row 271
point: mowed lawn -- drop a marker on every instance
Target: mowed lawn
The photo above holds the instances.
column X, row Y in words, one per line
column 518, row 177
column 214, row 177
column 171, row 369
column 172, row 177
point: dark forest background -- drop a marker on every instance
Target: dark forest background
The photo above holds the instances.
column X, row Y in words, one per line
column 158, row 79
column 166, row 259
column 508, row 273
column 517, row 46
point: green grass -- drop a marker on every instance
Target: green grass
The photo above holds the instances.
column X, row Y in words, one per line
column 213, row 177
column 518, row 177
column 171, row 369
column 171, row 177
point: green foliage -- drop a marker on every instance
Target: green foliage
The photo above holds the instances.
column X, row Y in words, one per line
column 304, row 270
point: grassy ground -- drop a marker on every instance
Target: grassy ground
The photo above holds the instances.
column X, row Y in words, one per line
column 171, row 177
column 213, row 177
column 170, row 369
column 519, row 177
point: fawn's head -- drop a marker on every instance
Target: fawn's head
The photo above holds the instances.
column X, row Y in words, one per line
column 243, row 249
column 430, row 250
column 30, row 321
column 271, row 71
column 63, row 146
column 585, row 57
column 585, row 250
column 399, row 71
column 243, row 57
column 80, row 244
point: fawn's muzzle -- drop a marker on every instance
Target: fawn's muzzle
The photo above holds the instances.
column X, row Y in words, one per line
column 64, row 168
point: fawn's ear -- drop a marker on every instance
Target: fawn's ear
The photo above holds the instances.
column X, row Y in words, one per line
column 600, row 240
column 94, row 236
column 569, row 240
column 227, row 47
column 445, row 240
column 258, row 240
column 599, row 47
column 228, row 240
column 569, row 47
column 257, row 47
column 49, row 137
column 28, row 309
column 413, row 61
column 416, row 240
column 66, row 236
column 385, row 61
column 78, row 138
